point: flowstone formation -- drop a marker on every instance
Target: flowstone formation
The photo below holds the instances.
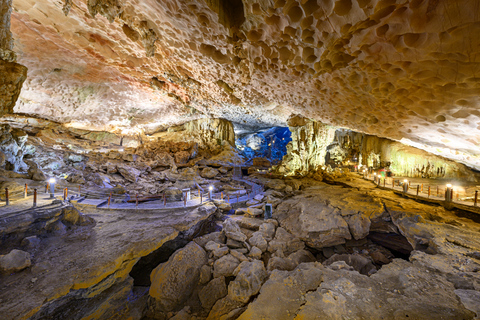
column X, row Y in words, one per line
column 307, row 150
column 401, row 70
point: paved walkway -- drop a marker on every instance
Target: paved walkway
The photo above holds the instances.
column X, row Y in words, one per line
column 431, row 190
column 20, row 205
column 97, row 200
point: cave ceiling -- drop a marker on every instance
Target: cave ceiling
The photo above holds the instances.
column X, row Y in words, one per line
column 406, row 70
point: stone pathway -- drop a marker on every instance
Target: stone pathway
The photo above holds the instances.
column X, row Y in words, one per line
column 100, row 201
column 418, row 189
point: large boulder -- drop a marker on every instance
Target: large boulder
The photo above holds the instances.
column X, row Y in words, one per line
column 15, row 261
column 359, row 225
column 314, row 221
column 285, row 242
column 174, row 281
column 249, row 279
column 225, row 266
column 76, row 177
column 209, row 173
column 268, row 230
column 129, row 173
column 232, row 231
column 34, row 171
column 213, row 291
column 258, row 241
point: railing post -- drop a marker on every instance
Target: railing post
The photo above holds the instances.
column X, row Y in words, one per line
column 46, row 187
column 476, row 198
column 7, row 200
column 109, row 200
column 184, row 199
column 228, row 197
column 422, row 188
column 384, row 182
column 201, row 197
column 418, row 189
column 164, row 199
column 26, row 191
column 237, row 196
column 393, row 183
column 34, row 198
column 136, row 201
column 437, row 191
column 221, row 195
column 429, row 191
column 79, row 190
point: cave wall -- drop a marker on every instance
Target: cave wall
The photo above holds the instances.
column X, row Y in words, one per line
column 212, row 130
column 315, row 144
column 12, row 74
column 403, row 160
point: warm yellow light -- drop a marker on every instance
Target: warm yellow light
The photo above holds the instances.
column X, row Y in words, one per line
column 374, row 173
column 449, row 185
column 52, row 180
column 210, row 188
column 405, row 180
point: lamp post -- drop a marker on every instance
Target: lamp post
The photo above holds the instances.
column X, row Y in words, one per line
column 405, row 186
column 448, row 193
column 52, row 188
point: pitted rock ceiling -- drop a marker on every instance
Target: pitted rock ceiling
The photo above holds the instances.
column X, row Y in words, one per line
column 406, row 70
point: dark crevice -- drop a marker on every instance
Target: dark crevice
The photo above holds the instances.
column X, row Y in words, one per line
column 396, row 243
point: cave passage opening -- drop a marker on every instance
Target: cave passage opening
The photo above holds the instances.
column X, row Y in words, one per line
column 270, row 144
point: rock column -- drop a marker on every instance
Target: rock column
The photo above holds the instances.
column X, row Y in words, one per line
column 13, row 74
column 307, row 150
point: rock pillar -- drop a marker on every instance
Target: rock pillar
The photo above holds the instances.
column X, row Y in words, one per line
column 13, row 74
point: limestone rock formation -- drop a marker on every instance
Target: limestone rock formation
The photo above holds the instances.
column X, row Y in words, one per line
column 173, row 281
column 311, row 291
column 402, row 160
column 13, row 74
column 318, row 224
column 14, row 261
column 398, row 70
column 249, row 277
column 213, row 291
column 306, row 152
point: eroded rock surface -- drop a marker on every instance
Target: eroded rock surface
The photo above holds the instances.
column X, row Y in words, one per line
column 400, row 70
column 90, row 265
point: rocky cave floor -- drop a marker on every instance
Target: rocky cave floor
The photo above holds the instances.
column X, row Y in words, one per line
column 338, row 250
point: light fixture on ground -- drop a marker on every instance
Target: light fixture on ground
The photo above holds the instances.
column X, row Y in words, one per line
column 52, row 187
